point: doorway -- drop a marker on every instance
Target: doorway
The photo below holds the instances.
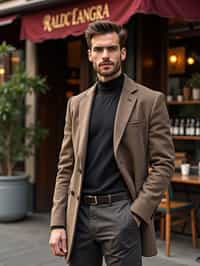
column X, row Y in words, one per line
column 62, row 62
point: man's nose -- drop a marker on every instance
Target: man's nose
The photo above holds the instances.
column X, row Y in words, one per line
column 105, row 53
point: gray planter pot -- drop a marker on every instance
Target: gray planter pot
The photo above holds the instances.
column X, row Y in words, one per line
column 13, row 198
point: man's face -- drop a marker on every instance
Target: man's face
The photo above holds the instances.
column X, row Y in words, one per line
column 106, row 55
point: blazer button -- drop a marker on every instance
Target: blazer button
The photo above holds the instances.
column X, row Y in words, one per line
column 72, row 193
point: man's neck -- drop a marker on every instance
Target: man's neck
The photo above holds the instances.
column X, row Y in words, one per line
column 105, row 79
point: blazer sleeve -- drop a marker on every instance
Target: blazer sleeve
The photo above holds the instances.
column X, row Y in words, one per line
column 161, row 159
column 64, row 173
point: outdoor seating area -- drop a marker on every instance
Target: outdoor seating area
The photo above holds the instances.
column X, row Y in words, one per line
column 99, row 104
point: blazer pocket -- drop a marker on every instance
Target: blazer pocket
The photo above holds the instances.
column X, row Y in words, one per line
column 136, row 123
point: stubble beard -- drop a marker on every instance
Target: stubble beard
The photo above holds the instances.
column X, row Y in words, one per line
column 110, row 73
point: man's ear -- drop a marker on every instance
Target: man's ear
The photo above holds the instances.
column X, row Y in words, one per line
column 123, row 53
column 89, row 55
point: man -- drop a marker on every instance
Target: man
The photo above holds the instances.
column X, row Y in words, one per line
column 105, row 196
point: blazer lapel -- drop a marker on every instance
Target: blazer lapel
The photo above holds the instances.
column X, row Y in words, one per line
column 126, row 104
column 84, row 118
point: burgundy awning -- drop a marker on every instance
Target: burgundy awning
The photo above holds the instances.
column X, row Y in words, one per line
column 6, row 20
column 73, row 19
column 186, row 9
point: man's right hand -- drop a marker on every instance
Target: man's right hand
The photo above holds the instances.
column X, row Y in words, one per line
column 57, row 242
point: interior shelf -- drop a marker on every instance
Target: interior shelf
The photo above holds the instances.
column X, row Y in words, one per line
column 186, row 137
column 183, row 102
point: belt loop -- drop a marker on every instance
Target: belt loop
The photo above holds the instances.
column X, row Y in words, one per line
column 109, row 199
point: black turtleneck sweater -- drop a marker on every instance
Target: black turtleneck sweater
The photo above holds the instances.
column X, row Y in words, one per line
column 102, row 175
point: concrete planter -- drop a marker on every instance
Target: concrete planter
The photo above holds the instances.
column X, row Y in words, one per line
column 13, row 198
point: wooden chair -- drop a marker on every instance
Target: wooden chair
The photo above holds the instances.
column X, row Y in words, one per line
column 175, row 212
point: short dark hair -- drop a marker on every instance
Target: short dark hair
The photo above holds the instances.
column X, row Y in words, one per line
column 102, row 27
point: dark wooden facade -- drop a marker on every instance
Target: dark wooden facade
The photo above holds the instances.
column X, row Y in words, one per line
column 151, row 53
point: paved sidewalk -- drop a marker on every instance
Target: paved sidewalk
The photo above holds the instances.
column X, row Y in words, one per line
column 25, row 243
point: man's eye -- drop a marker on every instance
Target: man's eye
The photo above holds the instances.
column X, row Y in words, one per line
column 98, row 49
column 112, row 48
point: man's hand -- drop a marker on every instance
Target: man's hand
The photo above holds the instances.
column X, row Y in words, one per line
column 137, row 219
column 57, row 242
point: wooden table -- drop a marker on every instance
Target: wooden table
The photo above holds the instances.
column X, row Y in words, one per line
column 191, row 179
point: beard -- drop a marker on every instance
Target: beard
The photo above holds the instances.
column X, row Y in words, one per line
column 107, row 69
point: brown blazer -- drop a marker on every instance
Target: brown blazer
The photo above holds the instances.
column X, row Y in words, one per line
column 141, row 139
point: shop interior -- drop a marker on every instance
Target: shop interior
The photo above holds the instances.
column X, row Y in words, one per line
column 183, row 102
column 183, row 93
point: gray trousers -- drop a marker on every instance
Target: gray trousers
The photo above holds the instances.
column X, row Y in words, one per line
column 109, row 231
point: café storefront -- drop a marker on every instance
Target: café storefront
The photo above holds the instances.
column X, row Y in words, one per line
column 53, row 40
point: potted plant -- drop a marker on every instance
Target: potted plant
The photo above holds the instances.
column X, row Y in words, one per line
column 17, row 140
column 194, row 82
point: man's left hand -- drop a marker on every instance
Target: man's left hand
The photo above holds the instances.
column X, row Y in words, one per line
column 137, row 219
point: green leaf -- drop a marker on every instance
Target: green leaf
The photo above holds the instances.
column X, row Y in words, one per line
column 18, row 141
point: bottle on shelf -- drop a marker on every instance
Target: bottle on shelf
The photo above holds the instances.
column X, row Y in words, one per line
column 176, row 127
column 197, row 127
column 187, row 127
column 199, row 168
column 182, row 127
column 192, row 127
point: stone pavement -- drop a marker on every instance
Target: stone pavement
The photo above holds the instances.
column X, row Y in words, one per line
column 25, row 243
